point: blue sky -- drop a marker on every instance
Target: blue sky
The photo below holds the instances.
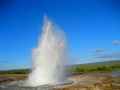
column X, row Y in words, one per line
column 92, row 28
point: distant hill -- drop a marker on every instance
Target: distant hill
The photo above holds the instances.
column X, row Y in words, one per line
column 98, row 63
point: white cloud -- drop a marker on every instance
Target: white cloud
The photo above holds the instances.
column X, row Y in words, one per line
column 116, row 42
column 98, row 50
column 108, row 55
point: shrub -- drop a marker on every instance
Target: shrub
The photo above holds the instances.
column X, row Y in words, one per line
column 103, row 68
column 79, row 70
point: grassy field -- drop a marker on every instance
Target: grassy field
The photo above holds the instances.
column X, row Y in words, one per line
column 16, row 71
column 109, row 66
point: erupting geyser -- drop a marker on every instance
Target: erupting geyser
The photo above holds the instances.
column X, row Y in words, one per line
column 48, row 57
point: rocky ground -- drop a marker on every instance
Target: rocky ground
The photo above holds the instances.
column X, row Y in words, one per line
column 99, row 81
column 95, row 82
column 5, row 78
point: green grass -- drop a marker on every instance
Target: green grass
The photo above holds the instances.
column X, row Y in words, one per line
column 94, row 67
column 16, row 71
